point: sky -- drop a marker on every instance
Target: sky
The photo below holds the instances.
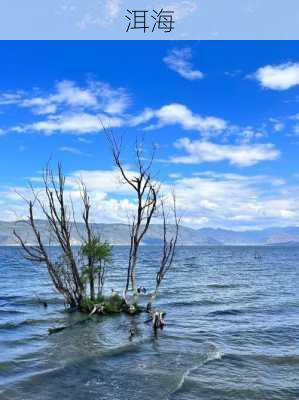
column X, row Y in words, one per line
column 223, row 116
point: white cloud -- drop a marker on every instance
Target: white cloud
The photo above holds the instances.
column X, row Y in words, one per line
column 205, row 199
column 241, row 155
column 69, row 93
column 247, row 134
column 101, row 181
column 10, row 98
column 71, row 108
column 142, row 118
column 113, row 101
column 84, row 140
column 175, row 113
column 180, row 61
column 180, row 114
column 277, row 125
column 94, row 95
column 72, row 150
column 75, row 124
column 112, row 200
column 278, row 77
column 236, row 201
column 296, row 129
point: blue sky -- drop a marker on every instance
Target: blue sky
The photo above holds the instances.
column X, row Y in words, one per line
column 224, row 115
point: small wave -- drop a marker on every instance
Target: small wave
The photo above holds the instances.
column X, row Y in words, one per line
column 183, row 379
column 212, row 354
column 193, row 303
column 225, row 312
column 26, row 322
column 8, row 298
column 10, row 312
column 224, row 286
column 39, row 302
column 126, row 347
column 290, row 359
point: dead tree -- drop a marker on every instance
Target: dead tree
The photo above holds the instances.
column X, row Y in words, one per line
column 86, row 210
column 64, row 270
column 169, row 247
column 146, row 190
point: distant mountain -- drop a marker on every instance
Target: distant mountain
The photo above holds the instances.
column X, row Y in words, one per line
column 285, row 244
column 256, row 237
column 117, row 234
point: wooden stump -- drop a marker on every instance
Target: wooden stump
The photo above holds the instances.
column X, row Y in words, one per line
column 158, row 321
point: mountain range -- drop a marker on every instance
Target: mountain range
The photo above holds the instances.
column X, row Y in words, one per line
column 117, row 234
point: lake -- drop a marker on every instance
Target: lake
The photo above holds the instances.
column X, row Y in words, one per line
column 232, row 331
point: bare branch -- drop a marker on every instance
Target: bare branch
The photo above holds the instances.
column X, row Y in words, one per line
column 146, row 192
column 65, row 274
column 169, row 246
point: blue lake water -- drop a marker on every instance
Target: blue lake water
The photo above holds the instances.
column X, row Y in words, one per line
column 232, row 331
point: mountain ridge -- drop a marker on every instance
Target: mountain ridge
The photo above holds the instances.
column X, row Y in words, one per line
column 118, row 234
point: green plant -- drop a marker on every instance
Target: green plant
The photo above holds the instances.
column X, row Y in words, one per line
column 88, row 304
column 113, row 304
column 96, row 249
column 98, row 254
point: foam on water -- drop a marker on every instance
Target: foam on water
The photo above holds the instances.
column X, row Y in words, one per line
column 211, row 355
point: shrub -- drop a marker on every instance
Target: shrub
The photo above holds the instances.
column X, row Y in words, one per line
column 113, row 304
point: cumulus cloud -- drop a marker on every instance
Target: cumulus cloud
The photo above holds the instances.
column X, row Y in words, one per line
column 180, row 61
column 102, row 181
column 71, row 108
column 79, row 110
column 233, row 200
column 75, row 124
column 175, row 113
column 93, row 95
column 204, row 199
column 112, row 201
column 240, row 155
column 278, row 77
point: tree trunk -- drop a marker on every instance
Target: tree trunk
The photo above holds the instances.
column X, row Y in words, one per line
column 91, row 286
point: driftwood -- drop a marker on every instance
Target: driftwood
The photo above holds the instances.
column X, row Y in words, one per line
column 158, row 321
column 98, row 308
column 56, row 330
column 156, row 318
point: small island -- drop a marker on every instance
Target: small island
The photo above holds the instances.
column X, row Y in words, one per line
column 79, row 275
